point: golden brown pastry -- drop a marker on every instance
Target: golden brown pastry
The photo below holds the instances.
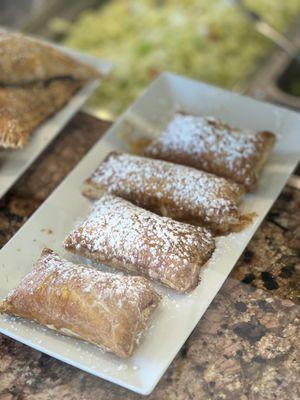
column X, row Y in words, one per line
column 122, row 235
column 211, row 145
column 105, row 309
column 169, row 189
column 23, row 109
column 36, row 80
column 24, row 60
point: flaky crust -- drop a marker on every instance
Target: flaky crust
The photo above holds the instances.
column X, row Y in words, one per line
column 122, row 235
column 211, row 145
column 36, row 81
column 169, row 189
column 26, row 60
column 22, row 109
column 105, row 309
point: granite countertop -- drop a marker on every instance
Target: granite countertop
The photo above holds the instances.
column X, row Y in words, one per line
column 247, row 345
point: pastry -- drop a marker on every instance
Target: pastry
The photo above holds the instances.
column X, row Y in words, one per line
column 211, row 145
column 23, row 109
column 169, row 189
column 24, row 60
column 108, row 310
column 122, row 235
column 36, row 80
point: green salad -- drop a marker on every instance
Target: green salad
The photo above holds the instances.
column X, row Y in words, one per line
column 207, row 40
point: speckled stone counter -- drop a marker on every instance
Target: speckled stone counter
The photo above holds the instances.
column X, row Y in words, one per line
column 247, row 345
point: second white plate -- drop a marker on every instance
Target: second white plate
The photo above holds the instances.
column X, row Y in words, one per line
column 179, row 314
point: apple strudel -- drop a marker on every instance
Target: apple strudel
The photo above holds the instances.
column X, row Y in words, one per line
column 23, row 109
column 24, row 60
column 108, row 310
column 122, row 235
column 168, row 189
column 36, row 80
column 211, row 145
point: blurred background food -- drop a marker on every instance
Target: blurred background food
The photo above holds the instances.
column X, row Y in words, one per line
column 207, row 40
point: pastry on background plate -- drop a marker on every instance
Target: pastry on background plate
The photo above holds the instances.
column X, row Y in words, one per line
column 119, row 234
column 211, row 145
column 108, row 310
column 171, row 190
column 23, row 109
column 36, row 81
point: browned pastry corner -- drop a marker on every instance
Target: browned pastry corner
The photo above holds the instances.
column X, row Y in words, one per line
column 105, row 309
column 172, row 190
column 211, row 145
column 124, row 236
column 36, row 81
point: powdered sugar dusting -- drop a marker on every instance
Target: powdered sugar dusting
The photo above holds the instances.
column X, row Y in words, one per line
column 186, row 131
column 126, row 236
column 105, row 309
column 165, row 187
column 211, row 145
column 113, row 289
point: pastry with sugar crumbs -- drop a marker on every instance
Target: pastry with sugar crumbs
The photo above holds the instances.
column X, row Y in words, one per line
column 172, row 190
column 119, row 234
column 36, row 80
column 108, row 310
column 211, row 145
column 23, row 109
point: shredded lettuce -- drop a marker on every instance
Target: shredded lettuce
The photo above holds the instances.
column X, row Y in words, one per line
column 206, row 40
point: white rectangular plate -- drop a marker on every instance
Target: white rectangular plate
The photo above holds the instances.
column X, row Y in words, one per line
column 179, row 314
column 14, row 162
